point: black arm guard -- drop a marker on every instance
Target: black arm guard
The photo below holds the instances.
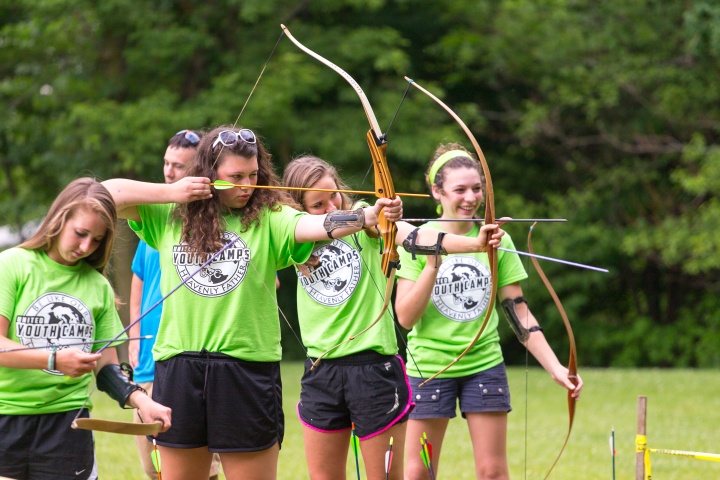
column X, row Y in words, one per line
column 521, row 332
column 111, row 380
column 410, row 245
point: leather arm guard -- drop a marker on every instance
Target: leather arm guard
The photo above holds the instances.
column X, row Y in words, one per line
column 410, row 245
column 112, row 380
column 522, row 333
column 343, row 218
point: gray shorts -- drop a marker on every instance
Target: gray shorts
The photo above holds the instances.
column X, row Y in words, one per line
column 486, row 391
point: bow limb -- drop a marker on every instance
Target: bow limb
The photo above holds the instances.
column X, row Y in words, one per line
column 111, row 426
column 572, row 362
column 377, row 143
column 384, row 187
column 489, row 219
column 374, row 125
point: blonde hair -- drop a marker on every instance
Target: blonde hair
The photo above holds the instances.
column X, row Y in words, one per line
column 306, row 171
column 80, row 193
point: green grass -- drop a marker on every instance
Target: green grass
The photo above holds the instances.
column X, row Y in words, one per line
column 683, row 414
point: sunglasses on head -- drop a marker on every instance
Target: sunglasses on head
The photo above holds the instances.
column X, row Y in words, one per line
column 190, row 136
column 229, row 138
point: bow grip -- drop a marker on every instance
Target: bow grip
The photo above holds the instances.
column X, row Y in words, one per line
column 384, row 188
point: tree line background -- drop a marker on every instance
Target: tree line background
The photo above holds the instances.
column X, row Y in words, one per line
column 604, row 113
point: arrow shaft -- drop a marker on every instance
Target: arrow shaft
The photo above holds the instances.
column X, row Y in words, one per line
column 310, row 189
column 556, row 260
column 19, row 349
column 481, row 220
column 159, row 302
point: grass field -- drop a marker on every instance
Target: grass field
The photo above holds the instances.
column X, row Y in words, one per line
column 683, row 414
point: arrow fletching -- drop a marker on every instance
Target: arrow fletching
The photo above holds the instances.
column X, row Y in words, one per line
column 155, row 456
column 222, row 185
column 388, row 459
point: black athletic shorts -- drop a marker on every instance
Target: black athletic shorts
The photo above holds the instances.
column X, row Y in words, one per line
column 44, row 447
column 218, row 401
column 368, row 389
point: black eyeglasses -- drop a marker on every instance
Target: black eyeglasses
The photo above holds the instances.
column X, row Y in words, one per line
column 229, row 138
column 190, row 136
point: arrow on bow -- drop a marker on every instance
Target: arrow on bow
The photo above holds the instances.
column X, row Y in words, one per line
column 500, row 221
column 489, row 219
column 224, row 185
column 384, row 188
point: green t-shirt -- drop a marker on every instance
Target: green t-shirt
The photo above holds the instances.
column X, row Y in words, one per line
column 51, row 305
column 343, row 296
column 457, row 308
column 230, row 307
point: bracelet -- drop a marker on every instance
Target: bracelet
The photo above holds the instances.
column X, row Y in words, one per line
column 51, row 360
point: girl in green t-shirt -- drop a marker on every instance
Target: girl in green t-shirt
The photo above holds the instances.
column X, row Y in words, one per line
column 360, row 383
column 218, row 347
column 54, row 303
column 443, row 301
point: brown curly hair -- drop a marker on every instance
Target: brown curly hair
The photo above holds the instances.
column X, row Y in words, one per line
column 203, row 222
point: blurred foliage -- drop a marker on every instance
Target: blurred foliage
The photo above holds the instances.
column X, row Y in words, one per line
column 605, row 113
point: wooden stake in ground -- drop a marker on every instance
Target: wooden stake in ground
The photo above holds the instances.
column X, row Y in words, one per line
column 641, row 424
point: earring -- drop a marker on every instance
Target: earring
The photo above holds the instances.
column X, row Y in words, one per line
column 439, row 209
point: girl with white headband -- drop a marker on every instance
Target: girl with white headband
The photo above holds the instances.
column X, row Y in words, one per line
column 443, row 301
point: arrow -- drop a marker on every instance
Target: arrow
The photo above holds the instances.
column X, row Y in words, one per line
column 481, row 220
column 557, row 260
column 426, row 455
column 355, row 441
column 388, row 459
column 155, row 456
column 56, row 347
column 612, row 450
column 223, row 185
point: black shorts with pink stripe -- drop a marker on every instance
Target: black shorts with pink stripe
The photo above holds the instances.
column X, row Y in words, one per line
column 367, row 389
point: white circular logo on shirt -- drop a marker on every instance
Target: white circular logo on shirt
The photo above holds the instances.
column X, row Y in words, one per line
column 462, row 288
column 222, row 275
column 56, row 320
column 335, row 279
